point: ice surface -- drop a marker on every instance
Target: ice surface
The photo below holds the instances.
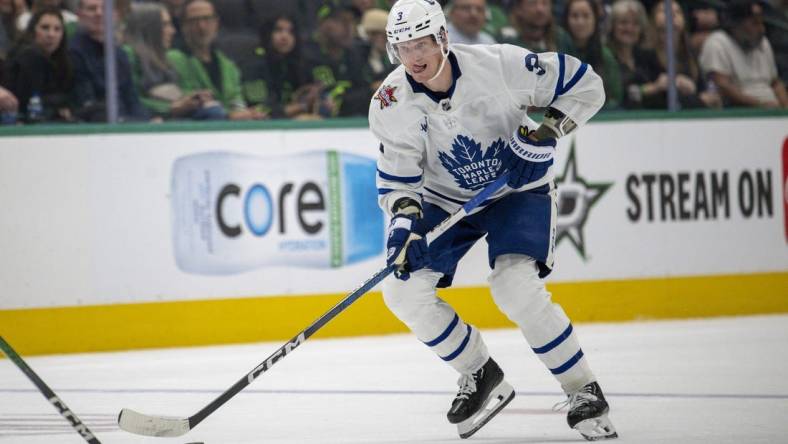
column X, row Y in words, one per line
column 700, row 381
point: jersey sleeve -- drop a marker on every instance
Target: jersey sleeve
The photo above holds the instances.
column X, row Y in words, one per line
column 552, row 79
column 400, row 171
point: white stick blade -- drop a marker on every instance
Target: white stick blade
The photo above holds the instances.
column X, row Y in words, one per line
column 141, row 424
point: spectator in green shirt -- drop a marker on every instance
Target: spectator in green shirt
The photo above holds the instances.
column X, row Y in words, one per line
column 149, row 34
column 333, row 60
column 203, row 67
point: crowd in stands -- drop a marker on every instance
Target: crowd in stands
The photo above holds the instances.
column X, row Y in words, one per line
column 313, row 59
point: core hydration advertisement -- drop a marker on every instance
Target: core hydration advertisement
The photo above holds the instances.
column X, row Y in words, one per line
column 236, row 212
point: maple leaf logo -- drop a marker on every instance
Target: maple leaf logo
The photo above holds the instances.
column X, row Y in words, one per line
column 471, row 168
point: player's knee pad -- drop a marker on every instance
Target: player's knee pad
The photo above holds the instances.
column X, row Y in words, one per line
column 407, row 299
column 434, row 321
column 517, row 289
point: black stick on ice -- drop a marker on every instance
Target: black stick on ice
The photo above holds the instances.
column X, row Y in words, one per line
column 60, row 406
column 169, row 426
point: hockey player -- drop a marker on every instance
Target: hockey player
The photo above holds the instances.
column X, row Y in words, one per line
column 450, row 120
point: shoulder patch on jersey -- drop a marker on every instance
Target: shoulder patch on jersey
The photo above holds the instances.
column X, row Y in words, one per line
column 385, row 96
column 471, row 168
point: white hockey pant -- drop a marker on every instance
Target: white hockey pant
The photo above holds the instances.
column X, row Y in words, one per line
column 521, row 295
column 434, row 322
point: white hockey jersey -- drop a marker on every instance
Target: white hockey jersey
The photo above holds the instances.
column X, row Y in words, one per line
column 444, row 151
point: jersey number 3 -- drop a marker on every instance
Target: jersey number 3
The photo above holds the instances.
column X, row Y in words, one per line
column 532, row 62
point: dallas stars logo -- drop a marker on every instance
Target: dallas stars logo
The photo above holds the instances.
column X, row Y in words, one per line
column 576, row 197
column 385, row 96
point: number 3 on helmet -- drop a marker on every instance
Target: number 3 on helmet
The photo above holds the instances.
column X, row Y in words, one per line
column 413, row 19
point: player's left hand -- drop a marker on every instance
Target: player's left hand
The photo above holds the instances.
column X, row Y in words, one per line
column 527, row 159
column 406, row 250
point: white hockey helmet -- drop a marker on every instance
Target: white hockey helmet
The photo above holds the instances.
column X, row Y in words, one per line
column 413, row 19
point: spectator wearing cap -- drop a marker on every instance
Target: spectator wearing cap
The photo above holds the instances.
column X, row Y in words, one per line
column 200, row 66
column 373, row 43
column 467, row 18
column 332, row 59
column 275, row 79
column 740, row 61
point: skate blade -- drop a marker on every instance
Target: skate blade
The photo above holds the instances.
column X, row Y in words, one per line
column 501, row 395
column 597, row 429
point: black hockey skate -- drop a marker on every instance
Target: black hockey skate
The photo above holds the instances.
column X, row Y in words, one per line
column 481, row 396
column 588, row 413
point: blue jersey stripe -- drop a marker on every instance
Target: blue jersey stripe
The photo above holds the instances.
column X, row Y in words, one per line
column 445, row 333
column 568, row 364
column 554, row 343
column 576, row 78
column 382, row 191
column 560, row 87
column 403, row 179
column 559, row 84
column 459, row 350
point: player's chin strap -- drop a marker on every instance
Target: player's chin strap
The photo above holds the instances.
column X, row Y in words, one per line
column 443, row 63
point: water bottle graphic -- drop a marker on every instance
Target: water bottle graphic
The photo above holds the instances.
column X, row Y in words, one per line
column 237, row 212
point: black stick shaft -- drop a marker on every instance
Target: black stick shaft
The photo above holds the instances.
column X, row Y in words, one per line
column 284, row 350
column 53, row 399
column 288, row 347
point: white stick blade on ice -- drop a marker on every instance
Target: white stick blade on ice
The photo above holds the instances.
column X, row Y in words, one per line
column 141, row 424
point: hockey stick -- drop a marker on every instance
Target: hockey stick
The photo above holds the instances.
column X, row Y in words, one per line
column 141, row 424
column 53, row 399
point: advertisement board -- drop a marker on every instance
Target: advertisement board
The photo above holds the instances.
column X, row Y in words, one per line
column 151, row 217
column 108, row 220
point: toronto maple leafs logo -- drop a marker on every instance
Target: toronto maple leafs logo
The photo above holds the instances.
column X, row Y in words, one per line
column 472, row 169
column 385, row 96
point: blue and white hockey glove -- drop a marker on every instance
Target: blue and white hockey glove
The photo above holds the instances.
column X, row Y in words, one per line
column 527, row 159
column 406, row 250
